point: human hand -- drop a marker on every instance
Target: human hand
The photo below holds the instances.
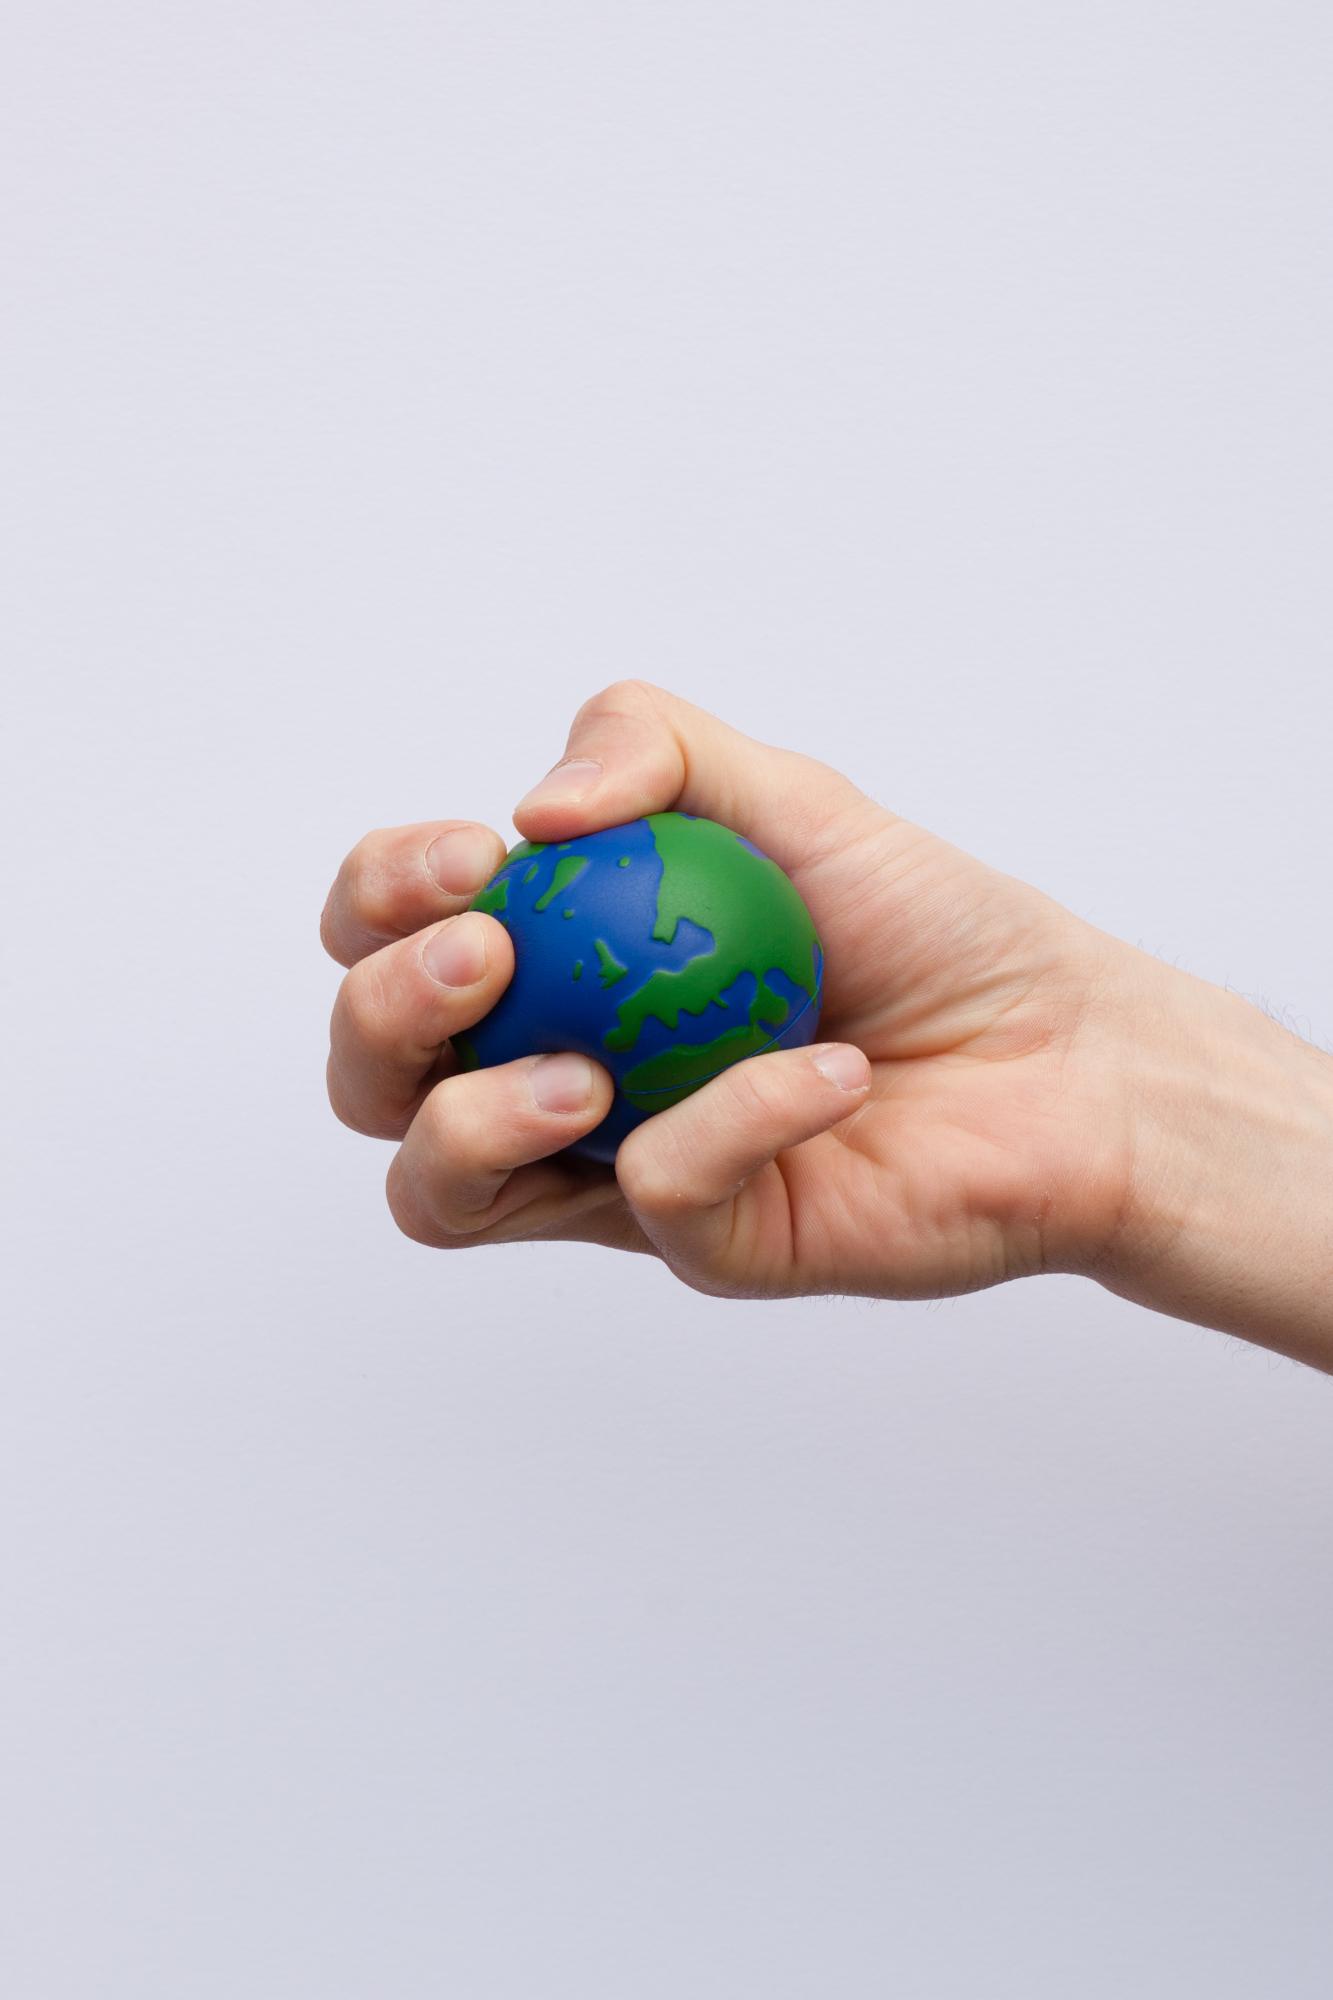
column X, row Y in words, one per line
column 981, row 1117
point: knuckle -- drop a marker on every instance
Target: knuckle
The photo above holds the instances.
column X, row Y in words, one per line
column 412, row 1215
column 419, row 1204
column 454, row 1141
column 368, row 885
column 365, row 1005
column 351, row 1111
column 649, row 1178
column 618, row 698
column 420, row 1215
column 439, row 1122
column 328, row 934
column 344, row 1108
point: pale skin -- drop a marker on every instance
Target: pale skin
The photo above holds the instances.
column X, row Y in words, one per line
column 999, row 1089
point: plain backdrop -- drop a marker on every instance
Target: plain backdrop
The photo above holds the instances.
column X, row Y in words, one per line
column 945, row 391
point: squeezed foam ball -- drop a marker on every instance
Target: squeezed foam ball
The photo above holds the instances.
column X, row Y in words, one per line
column 666, row 949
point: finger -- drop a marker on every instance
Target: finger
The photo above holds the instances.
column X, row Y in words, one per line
column 398, row 880
column 476, row 1154
column 636, row 748
column 397, row 1008
column 702, row 1178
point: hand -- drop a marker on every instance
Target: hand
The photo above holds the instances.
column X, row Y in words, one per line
column 965, row 1132
column 972, row 1114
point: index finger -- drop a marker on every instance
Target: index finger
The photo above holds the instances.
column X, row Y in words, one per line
column 401, row 878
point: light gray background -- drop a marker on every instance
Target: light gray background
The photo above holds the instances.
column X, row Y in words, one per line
column 944, row 390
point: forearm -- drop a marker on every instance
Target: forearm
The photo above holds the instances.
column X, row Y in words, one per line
column 1229, row 1220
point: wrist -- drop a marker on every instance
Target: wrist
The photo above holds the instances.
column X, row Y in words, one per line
column 1225, row 1211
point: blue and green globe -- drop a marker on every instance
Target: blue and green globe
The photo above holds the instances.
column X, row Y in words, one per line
column 666, row 949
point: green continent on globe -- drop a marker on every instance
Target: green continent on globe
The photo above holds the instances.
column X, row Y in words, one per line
column 609, row 967
column 710, row 876
column 566, row 871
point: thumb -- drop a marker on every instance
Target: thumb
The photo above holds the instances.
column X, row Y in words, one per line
column 635, row 748
column 700, row 1177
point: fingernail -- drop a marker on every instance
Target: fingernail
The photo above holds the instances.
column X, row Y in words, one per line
column 843, row 1065
column 456, row 955
column 561, row 1083
column 567, row 783
column 460, row 860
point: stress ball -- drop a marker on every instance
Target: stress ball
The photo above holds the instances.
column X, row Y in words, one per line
column 666, row 949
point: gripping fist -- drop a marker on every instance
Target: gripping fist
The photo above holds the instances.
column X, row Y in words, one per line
column 958, row 1125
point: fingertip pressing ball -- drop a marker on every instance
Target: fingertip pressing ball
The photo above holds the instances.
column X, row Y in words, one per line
column 666, row 949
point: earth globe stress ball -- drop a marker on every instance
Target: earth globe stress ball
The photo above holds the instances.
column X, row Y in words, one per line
column 666, row 949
